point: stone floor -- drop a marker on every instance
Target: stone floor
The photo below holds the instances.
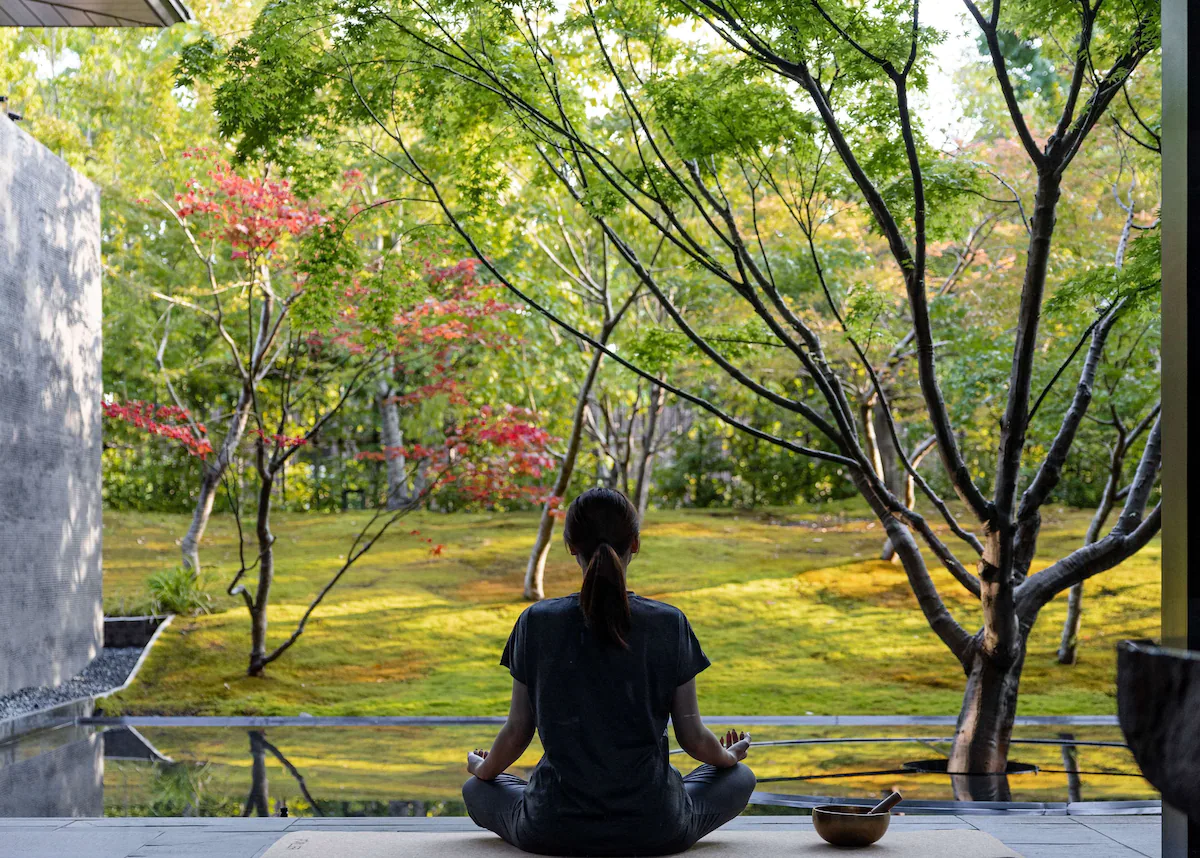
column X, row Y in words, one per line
column 1032, row 836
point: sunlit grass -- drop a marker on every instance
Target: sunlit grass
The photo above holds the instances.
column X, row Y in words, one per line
column 793, row 607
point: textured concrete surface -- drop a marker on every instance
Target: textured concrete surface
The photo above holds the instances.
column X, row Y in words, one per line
column 51, row 622
column 1029, row 836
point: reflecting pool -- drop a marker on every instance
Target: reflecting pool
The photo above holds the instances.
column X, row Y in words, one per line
column 418, row 771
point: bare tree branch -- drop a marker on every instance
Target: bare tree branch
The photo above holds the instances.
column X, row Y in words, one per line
column 1000, row 64
column 459, row 228
column 1128, row 536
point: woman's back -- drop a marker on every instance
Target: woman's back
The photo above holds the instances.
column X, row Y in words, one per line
column 601, row 711
column 597, row 675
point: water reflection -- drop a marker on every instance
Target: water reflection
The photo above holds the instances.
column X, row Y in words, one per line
column 60, row 775
column 417, row 771
column 1070, row 762
column 259, row 800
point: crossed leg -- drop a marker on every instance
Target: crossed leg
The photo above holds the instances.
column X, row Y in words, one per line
column 718, row 795
column 495, row 804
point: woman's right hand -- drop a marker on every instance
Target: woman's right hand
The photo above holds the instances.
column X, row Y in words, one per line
column 737, row 744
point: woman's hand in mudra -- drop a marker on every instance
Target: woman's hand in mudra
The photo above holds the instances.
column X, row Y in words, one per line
column 736, row 743
column 475, row 760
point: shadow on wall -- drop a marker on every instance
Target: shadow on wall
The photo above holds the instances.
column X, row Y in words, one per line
column 51, row 621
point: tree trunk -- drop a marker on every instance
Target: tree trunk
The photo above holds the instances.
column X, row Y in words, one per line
column 211, row 481
column 605, row 475
column 887, row 458
column 626, row 449
column 266, row 574
column 535, row 572
column 979, row 757
column 1070, row 762
column 190, row 545
column 1068, row 647
column 646, row 454
column 392, row 439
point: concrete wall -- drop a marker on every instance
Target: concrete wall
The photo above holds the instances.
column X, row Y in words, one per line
column 51, row 623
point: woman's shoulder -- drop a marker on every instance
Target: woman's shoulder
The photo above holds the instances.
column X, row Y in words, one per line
column 552, row 607
column 654, row 607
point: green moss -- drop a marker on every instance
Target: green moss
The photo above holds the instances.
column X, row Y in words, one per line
column 792, row 606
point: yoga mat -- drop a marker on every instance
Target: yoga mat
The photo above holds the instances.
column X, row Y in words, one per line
column 759, row 844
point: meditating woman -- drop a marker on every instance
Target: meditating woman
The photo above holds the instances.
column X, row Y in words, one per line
column 597, row 674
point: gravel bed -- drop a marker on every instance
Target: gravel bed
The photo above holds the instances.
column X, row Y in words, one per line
column 105, row 672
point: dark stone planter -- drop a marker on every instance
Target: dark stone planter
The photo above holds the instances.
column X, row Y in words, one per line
column 130, row 631
column 1158, row 702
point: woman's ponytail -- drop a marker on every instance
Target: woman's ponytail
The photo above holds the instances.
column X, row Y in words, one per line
column 603, row 598
column 602, row 528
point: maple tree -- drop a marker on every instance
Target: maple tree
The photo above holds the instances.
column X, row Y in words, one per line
column 166, row 421
column 244, row 233
column 433, row 341
column 307, row 328
column 485, row 454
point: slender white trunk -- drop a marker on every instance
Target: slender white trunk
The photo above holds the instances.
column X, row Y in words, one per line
column 211, row 480
column 236, row 429
column 647, row 453
column 392, row 439
column 535, row 572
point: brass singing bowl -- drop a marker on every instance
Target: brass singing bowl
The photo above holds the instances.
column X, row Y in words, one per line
column 847, row 825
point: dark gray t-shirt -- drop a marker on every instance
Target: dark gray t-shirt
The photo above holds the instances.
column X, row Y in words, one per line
column 605, row 781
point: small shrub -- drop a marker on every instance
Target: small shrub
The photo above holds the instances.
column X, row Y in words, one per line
column 177, row 591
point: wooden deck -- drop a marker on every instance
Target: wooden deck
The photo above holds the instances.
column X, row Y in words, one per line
column 1089, row 836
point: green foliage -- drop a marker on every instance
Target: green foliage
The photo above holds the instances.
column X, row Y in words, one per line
column 656, row 182
column 1138, row 282
column 602, row 201
column 865, row 306
column 199, row 60
column 329, row 258
column 725, row 108
column 176, row 789
column 313, row 87
column 177, row 591
column 713, row 465
column 146, row 475
column 1032, row 74
column 483, row 182
column 265, row 90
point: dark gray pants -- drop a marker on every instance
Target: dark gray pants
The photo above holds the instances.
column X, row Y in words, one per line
column 717, row 796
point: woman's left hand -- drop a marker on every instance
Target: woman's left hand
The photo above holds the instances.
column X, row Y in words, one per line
column 475, row 760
